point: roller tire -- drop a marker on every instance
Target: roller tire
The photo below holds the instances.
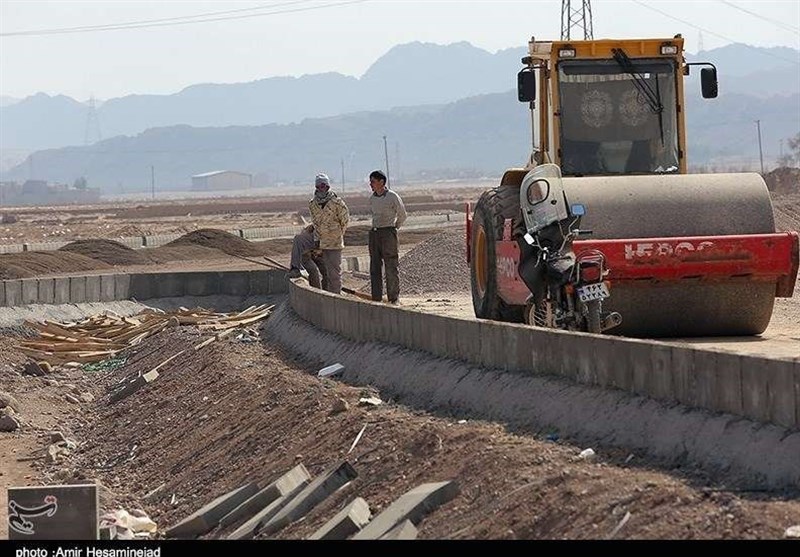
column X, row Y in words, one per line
column 493, row 207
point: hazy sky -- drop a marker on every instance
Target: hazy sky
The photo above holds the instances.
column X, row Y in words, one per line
column 254, row 40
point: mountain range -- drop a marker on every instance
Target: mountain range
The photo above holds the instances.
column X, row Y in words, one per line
column 446, row 109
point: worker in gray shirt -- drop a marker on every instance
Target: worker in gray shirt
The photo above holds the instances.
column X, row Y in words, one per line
column 388, row 214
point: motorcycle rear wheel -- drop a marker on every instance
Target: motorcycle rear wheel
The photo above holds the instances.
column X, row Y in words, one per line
column 593, row 319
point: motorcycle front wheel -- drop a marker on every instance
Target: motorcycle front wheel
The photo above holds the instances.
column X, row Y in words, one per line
column 540, row 314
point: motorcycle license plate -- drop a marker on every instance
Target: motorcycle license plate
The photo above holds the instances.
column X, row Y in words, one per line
column 596, row 291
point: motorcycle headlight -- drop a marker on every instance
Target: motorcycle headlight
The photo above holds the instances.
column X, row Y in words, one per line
column 537, row 191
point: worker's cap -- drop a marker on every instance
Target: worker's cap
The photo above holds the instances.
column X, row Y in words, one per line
column 321, row 181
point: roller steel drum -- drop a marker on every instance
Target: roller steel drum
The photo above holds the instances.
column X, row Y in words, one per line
column 681, row 205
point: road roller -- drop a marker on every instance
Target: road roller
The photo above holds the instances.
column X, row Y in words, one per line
column 688, row 254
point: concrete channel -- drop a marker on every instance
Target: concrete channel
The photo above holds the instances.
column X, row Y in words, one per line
column 735, row 414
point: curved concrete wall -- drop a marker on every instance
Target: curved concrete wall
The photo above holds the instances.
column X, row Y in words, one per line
column 139, row 286
column 755, row 388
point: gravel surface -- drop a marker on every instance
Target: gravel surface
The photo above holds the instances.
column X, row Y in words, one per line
column 437, row 265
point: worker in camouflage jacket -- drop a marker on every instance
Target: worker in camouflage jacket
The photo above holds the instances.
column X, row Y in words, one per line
column 330, row 216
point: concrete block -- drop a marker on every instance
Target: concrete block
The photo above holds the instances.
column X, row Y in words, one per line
column 550, row 345
column 277, row 282
column 345, row 523
column 468, row 341
column 201, row 284
column 515, row 340
column 260, row 284
column 704, row 372
column 367, row 321
column 13, row 293
column 168, row 285
column 603, row 359
column 436, row 337
column 631, row 354
column 249, row 528
column 2, row 293
column 413, row 505
column 327, row 307
column 796, row 374
column 406, row 323
column 403, row 531
column 208, row 517
column 421, row 324
column 727, row 395
column 77, row 290
column 683, row 378
column 70, row 512
column 93, row 288
column 62, row 290
column 768, row 391
column 388, row 323
column 30, row 291
column 107, row 293
column 589, row 359
column 235, row 283
column 320, row 488
column 142, row 286
column 283, row 486
column 659, row 381
column 122, row 287
column 47, row 290
column 491, row 345
column 572, row 363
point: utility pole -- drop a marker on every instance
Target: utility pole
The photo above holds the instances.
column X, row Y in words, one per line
column 386, row 156
column 760, row 151
column 153, row 181
column 579, row 17
column 342, row 175
column 397, row 158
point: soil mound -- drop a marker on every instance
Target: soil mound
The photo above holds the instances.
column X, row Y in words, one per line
column 38, row 263
column 783, row 180
column 108, row 251
column 217, row 239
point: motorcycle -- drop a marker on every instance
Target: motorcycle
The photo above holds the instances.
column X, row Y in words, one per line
column 567, row 290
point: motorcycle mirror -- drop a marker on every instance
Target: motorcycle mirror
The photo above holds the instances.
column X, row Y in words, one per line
column 578, row 209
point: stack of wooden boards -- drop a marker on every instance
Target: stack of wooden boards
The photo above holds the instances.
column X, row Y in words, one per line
column 101, row 336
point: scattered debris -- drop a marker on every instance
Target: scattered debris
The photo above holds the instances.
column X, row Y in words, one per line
column 370, row 401
column 619, row 526
column 357, row 439
column 101, row 337
column 33, row 368
column 122, row 525
column 6, row 400
column 330, row 371
column 153, row 492
column 587, row 454
column 552, row 437
column 8, row 421
column 339, row 406
column 462, row 421
column 792, row 532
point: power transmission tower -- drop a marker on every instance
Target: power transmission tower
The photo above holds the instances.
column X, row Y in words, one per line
column 92, row 133
column 580, row 17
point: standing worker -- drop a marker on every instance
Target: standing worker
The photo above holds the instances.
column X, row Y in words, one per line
column 330, row 216
column 388, row 214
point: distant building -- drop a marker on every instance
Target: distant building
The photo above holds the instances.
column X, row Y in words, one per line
column 39, row 192
column 220, row 180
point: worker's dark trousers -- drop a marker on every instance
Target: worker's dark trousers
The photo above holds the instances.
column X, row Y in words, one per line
column 383, row 254
column 332, row 270
column 303, row 258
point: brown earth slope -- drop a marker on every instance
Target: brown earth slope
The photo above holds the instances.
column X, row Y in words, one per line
column 239, row 412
